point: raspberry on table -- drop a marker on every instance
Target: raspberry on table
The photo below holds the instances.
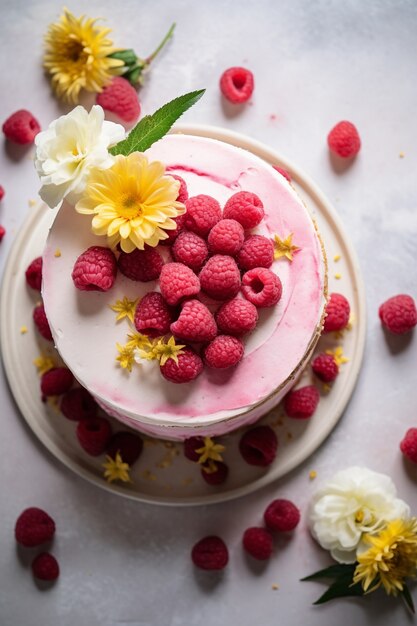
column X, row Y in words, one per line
column 220, row 277
column 177, row 282
column 259, row 445
column 398, row 314
column 56, row 381
column 258, row 543
column 173, row 234
column 41, row 322
column 261, row 287
column 45, row 567
column 189, row 366
column 344, row 140
column 195, row 323
column 325, row 367
column 190, row 446
column 216, row 477
column 244, row 207
column 95, row 269
column 128, row 445
column 78, row 404
column 226, row 237
column 210, row 553
column 190, row 249
column 281, row 170
column 141, row 265
column 301, row 403
column 337, row 313
column 237, row 84
column 2, row 232
column 237, row 317
column 183, row 191
column 408, row 445
column 33, row 527
column 203, row 212
column 21, row 127
column 153, row 316
column 34, row 274
column 94, row 435
column 224, row 351
column 281, row 515
column 120, row 98
column 2, row 192
column 256, row 251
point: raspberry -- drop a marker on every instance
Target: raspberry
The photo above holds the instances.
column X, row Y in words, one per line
column 34, row 527
column 195, row 323
column 258, row 543
column 183, row 191
column 398, row 314
column 325, row 367
column 224, row 351
column 261, row 287
column 210, row 553
column 153, row 316
column 301, row 403
column 337, row 313
column 226, row 237
column 2, row 232
column 237, row 317
column 2, row 192
column 77, row 404
column 173, row 234
column 45, row 567
column 220, row 277
column 21, row 127
column 244, row 207
column 121, row 99
column 94, row 435
column 257, row 251
column 203, row 212
column 41, row 323
column 34, row 274
column 283, row 172
column 95, row 269
column 56, row 381
column 190, row 446
column 127, row 444
column 258, row 446
column 218, row 477
column 189, row 366
column 408, row 445
column 344, row 140
column 281, row 515
column 177, row 281
column 141, row 265
column 190, row 249
column 236, row 84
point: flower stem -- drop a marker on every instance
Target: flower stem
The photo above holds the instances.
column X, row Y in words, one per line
column 161, row 45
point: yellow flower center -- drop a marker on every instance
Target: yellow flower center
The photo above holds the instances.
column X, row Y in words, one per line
column 359, row 516
column 131, row 206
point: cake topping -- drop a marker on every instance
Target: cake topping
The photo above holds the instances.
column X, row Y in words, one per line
column 153, row 316
column 124, row 308
column 237, row 317
column 256, row 251
column 224, row 351
column 246, row 208
column 186, row 369
column 226, row 237
column 177, row 281
column 126, row 356
column 220, row 277
column 116, row 469
column 190, row 249
column 195, row 323
column 141, row 265
column 203, row 212
column 160, row 350
column 284, row 247
column 261, row 287
column 95, row 269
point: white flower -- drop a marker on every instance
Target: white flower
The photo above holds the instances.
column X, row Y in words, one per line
column 72, row 145
column 355, row 502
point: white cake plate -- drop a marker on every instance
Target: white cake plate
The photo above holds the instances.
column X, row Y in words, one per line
column 162, row 475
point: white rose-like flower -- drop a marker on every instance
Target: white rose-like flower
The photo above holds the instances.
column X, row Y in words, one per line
column 69, row 148
column 355, row 502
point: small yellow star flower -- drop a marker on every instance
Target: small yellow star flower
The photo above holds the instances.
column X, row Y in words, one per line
column 210, row 467
column 43, row 364
column 284, row 247
column 116, row 469
column 338, row 356
column 124, row 308
column 210, row 450
column 126, row 357
column 137, row 340
column 161, row 351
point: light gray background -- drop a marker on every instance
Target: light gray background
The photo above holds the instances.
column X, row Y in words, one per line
column 315, row 63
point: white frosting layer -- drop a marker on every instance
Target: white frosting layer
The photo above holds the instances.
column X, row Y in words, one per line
column 85, row 332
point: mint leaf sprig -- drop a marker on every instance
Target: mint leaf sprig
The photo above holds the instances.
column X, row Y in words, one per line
column 153, row 127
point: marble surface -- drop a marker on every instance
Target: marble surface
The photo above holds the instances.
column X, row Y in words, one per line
column 126, row 563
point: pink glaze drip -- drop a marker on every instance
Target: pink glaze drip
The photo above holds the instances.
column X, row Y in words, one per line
column 220, row 180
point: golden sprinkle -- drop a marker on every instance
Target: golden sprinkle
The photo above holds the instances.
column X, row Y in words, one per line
column 326, row 387
column 312, row 474
column 43, row 363
column 187, row 481
column 210, row 450
column 116, row 469
column 23, row 330
column 338, row 276
column 284, row 247
column 32, row 202
column 147, row 474
column 336, row 258
column 401, row 155
column 124, row 308
column 57, row 253
column 274, row 587
column 289, row 436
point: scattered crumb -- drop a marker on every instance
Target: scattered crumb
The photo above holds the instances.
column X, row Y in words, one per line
column 336, row 258
column 401, row 155
column 338, row 276
column 312, row 474
column 57, row 253
column 54, row 402
column 187, row 481
column 166, row 460
column 149, row 443
column 326, row 388
column 289, row 436
column 147, row 474
column 32, row 202
column 23, row 330
column 274, row 587
column 169, row 444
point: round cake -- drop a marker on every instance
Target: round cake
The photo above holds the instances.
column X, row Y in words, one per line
column 86, row 332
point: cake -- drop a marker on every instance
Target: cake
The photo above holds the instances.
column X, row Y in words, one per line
column 86, row 333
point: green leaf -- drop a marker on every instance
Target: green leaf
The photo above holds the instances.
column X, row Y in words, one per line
column 341, row 588
column 334, row 571
column 406, row 595
column 128, row 56
column 152, row 127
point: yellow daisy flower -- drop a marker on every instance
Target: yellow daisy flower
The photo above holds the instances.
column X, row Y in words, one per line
column 77, row 56
column 391, row 558
column 133, row 202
